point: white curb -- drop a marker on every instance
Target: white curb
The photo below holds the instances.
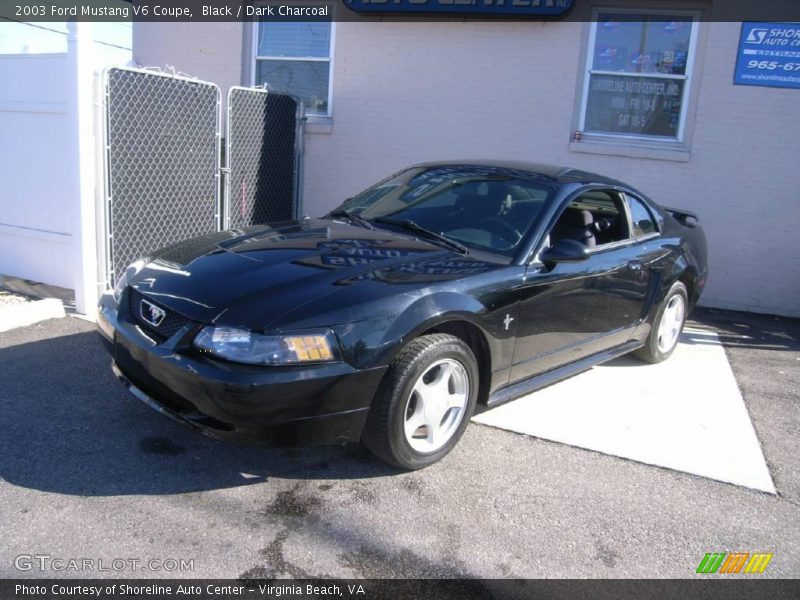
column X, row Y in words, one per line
column 28, row 313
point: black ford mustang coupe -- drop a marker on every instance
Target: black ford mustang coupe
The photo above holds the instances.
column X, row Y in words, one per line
column 443, row 287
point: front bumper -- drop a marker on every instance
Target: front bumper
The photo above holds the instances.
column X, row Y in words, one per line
column 251, row 405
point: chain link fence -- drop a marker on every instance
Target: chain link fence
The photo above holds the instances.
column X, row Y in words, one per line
column 162, row 136
column 263, row 144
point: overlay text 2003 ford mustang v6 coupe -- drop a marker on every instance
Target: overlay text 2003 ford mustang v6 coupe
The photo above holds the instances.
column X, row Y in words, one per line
column 387, row 321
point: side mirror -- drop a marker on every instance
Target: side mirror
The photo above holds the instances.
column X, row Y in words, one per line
column 565, row 251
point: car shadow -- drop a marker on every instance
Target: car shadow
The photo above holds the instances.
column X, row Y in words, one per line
column 69, row 427
column 731, row 329
column 748, row 330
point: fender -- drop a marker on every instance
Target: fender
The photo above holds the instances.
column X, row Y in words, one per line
column 679, row 264
column 685, row 264
column 435, row 309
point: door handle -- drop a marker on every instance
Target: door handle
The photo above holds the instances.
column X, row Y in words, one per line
column 634, row 265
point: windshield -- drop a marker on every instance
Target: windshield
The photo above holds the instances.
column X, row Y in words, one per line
column 488, row 208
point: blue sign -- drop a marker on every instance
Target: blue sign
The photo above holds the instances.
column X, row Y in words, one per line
column 520, row 8
column 769, row 55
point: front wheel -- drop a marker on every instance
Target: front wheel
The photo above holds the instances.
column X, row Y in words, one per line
column 667, row 326
column 424, row 403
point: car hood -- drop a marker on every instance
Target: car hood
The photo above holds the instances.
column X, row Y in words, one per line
column 259, row 276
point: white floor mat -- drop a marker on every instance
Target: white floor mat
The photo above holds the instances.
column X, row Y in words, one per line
column 686, row 413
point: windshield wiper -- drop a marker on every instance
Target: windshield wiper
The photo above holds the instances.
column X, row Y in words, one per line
column 425, row 232
column 352, row 217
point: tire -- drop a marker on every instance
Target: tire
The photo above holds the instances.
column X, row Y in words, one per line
column 434, row 372
column 662, row 341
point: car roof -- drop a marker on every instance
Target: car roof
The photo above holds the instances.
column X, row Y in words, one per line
column 559, row 174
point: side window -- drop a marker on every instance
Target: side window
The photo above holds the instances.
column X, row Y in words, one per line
column 642, row 221
column 595, row 218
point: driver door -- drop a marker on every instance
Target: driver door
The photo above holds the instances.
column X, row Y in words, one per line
column 570, row 310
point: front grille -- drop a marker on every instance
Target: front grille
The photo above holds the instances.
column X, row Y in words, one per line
column 170, row 324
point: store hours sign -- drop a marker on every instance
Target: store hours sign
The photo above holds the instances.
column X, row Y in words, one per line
column 769, row 55
column 634, row 105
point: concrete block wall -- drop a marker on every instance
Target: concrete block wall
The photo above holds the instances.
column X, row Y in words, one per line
column 411, row 92
column 406, row 93
column 209, row 51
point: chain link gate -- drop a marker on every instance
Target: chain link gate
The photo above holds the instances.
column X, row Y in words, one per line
column 162, row 164
column 162, row 161
column 263, row 153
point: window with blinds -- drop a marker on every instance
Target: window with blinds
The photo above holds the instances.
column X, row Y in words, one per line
column 295, row 58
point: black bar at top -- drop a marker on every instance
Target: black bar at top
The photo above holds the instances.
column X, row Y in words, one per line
column 379, row 10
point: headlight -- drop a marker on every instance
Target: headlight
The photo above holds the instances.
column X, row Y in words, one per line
column 241, row 345
column 122, row 282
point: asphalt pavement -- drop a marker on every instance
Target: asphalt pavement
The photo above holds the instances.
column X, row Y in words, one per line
column 89, row 473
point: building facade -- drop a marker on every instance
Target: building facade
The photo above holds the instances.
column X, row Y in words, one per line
column 650, row 101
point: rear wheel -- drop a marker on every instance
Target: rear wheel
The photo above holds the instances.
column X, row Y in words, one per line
column 424, row 403
column 667, row 326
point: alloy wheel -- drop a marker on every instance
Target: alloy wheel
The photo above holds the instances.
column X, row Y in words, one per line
column 436, row 405
column 671, row 323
